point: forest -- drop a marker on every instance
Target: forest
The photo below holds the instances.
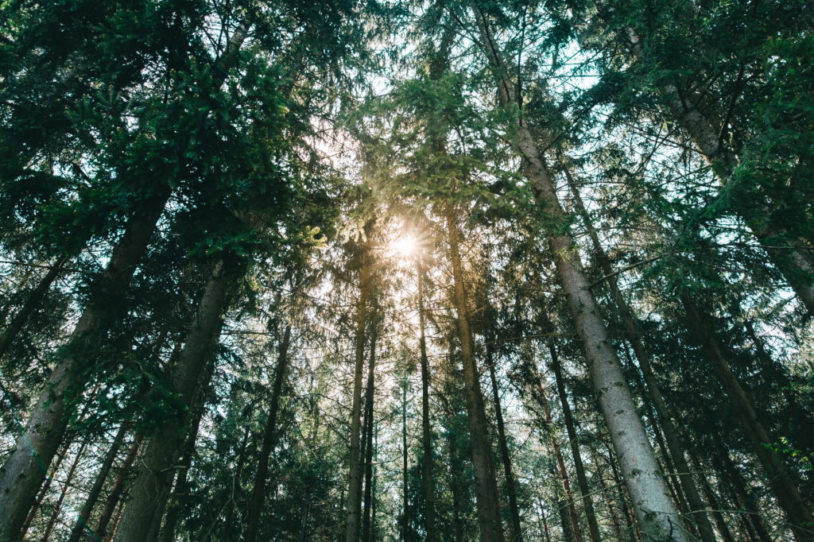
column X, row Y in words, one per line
column 383, row 270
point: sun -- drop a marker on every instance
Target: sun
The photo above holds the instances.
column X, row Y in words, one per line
column 405, row 246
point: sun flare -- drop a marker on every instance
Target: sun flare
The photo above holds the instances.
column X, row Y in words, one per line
column 405, row 246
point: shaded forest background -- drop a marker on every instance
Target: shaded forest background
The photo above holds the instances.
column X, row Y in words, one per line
column 344, row 270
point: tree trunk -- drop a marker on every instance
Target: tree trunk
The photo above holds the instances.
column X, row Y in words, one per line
column 269, row 439
column 634, row 336
column 368, row 438
column 68, row 479
column 515, row 533
column 486, row 495
column 582, row 481
column 44, row 490
column 742, row 498
column 426, row 432
column 720, row 522
column 791, row 256
column 779, row 478
column 656, row 514
column 353, row 504
column 151, row 487
column 24, row 469
column 404, row 488
column 118, row 488
column 33, row 301
column 98, row 484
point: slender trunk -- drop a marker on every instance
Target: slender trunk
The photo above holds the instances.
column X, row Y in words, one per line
column 44, row 490
column 25, row 468
column 617, row 527
column 720, row 522
column 269, row 439
column 404, row 489
column 486, row 495
column 515, row 534
column 353, row 503
column 426, row 432
column 68, row 479
column 114, row 498
column 181, row 487
column 743, row 499
column 543, row 521
column 455, row 488
column 656, row 514
column 779, row 478
column 575, row 530
column 151, row 487
column 374, row 533
column 624, row 501
column 634, row 336
column 117, row 520
column 791, row 256
column 31, row 304
column 98, row 484
column 582, row 481
column 368, row 451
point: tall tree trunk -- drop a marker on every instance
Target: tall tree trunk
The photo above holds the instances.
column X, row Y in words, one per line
column 515, row 533
column 151, row 487
column 368, row 437
column 743, row 499
column 582, row 481
column 44, row 490
column 33, row 301
column 269, row 439
column 116, row 492
column 617, row 527
column 25, row 468
column 98, row 484
column 634, row 336
column 791, row 256
column 779, row 478
column 426, row 431
column 68, row 480
column 353, row 504
column 720, row 522
column 455, row 488
column 656, row 514
column 575, row 532
column 486, row 495
column 404, row 488
column 624, row 500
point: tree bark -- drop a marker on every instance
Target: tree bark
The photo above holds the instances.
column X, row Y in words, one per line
column 353, row 503
column 31, row 304
column 368, row 448
column 515, row 533
column 779, row 478
column 634, row 336
column 269, row 439
column 404, row 487
column 582, row 481
column 25, row 468
column 44, row 490
column 68, row 479
column 116, row 492
column 151, row 487
column 795, row 260
column 656, row 514
column 426, row 431
column 98, row 484
column 486, row 495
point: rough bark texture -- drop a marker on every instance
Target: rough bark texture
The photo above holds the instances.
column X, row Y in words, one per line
column 269, row 439
column 657, row 517
column 151, row 487
column 779, row 479
column 98, row 484
column 582, row 481
column 515, row 534
column 353, row 504
column 25, row 468
column 634, row 336
column 486, row 495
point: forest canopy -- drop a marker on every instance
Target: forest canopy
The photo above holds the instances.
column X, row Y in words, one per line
column 419, row 271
